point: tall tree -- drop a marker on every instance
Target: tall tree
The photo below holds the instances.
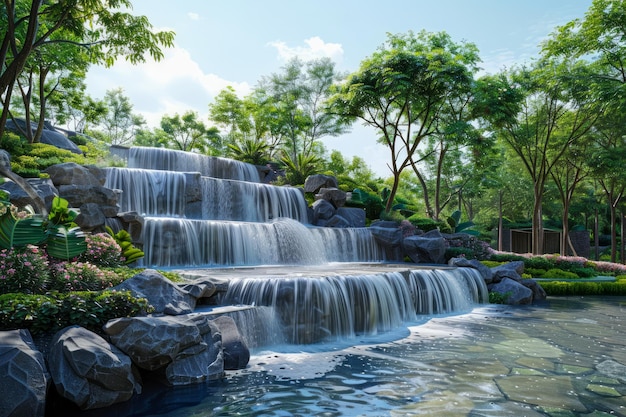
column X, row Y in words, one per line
column 119, row 124
column 188, row 133
column 105, row 28
column 551, row 109
column 400, row 91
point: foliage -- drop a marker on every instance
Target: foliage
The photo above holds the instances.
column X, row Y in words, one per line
column 43, row 314
column 559, row 273
column 23, row 269
column 130, row 253
column 568, row 288
column 369, row 201
column 424, row 224
column 468, row 246
column 102, row 250
column 81, row 276
column 460, row 227
column 499, row 298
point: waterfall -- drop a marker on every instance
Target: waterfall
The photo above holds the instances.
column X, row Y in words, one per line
column 203, row 243
column 251, row 202
column 322, row 308
column 208, row 166
column 148, row 192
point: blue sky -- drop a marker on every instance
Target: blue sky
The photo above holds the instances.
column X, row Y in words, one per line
column 236, row 42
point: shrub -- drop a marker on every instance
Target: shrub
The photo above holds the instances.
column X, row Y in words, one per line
column 81, row 276
column 23, row 270
column 535, row 272
column 559, row 273
column 43, row 314
column 566, row 288
column 102, row 250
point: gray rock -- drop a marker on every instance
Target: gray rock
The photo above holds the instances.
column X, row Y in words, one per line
column 71, row 173
column 539, row 294
column 77, row 195
column 322, row 210
column 314, row 183
column 236, row 352
column 485, row 271
column 335, row 196
column 516, row 293
column 199, row 288
column 90, row 217
column 186, row 349
column 20, row 198
column 613, row 369
column 165, row 296
column 427, row 248
column 387, row 234
column 354, row 216
column 337, row 221
column 24, row 378
column 513, row 270
column 89, row 371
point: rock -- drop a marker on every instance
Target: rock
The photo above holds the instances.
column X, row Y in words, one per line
column 335, row 196
column 236, row 352
column 314, row 183
column 199, row 288
column 613, row 369
column 165, row 296
column 24, row 378
column 89, row 371
column 539, row 294
column 387, row 233
column 354, row 216
column 90, row 217
column 49, row 135
column 71, row 173
column 20, row 198
column 133, row 223
column 428, row 248
column 77, row 195
column 322, row 210
column 511, row 270
column 485, row 271
column 516, row 293
column 184, row 348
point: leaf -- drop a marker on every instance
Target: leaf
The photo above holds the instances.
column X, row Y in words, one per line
column 20, row 232
column 63, row 243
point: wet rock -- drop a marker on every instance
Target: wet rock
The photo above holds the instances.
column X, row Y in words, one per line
column 165, row 296
column 236, row 352
column 354, row 216
column 512, row 270
column 539, row 294
column 337, row 221
column 70, row 173
column 89, row 371
column 428, row 248
column 515, row 292
column 613, row 369
column 387, row 233
column 24, row 378
column 322, row 210
column 541, row 391
column 485, row 271
column 335, row 196
column 314, row 183
column 186, row 349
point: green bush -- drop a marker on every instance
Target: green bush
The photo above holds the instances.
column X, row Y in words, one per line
column 102, row 250
column 23, row 270
column 535, row 272
column 42, row 314
column 12, row 143
column 559, row 273
column 81, row 276
column 567, row 288
column 424, row 224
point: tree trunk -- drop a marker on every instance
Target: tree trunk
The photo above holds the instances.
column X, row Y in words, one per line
column 537, row 227
column 500, row 222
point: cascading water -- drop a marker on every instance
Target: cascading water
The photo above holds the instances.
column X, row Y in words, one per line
column 205, row 212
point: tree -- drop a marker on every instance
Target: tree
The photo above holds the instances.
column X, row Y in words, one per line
column 188, row 133
column 540, row 112
column 400, row 91
column 119, row 124
column 102, row 27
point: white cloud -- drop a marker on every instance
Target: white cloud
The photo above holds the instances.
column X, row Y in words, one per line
column 315, row 48
column 175, row 84
column 193, row 16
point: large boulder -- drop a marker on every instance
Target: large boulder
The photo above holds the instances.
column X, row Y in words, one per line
column 20, row 198
column 514, row 292
column 322, row 210
column 70, row 173
column 24, row 378
column 428, row 248
column 335, row 196
column 236, row 352
column 89, row 371
column 387, row 233
column 185, row 349
column 165, row 296
column 314, row 183
column 484, row 270
column 512, row 270
column 355, row 216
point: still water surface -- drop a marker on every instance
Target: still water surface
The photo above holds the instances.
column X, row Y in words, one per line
column 566, row 357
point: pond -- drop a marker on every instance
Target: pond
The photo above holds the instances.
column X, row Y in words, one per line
column 565, row 357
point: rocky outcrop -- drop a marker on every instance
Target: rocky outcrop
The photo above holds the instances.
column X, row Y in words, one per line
column 161, row 293
column 314, row 183
column 429, row 248
column 184, row 348
column 24, row 378
column 89, row 371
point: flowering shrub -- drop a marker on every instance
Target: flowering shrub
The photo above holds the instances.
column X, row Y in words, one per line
column 102, row 250
column 81, row 276
column 469, row 247
column 23, row 270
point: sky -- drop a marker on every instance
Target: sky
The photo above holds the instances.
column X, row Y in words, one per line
column 237, row 42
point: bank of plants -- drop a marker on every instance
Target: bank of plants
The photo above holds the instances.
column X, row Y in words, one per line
column 53, row 275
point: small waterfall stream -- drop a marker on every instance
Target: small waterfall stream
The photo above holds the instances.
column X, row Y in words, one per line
column 205, row 212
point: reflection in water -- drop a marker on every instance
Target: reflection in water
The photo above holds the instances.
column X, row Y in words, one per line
column 564, row 358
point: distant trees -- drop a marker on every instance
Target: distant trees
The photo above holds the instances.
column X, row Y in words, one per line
column 41, row 37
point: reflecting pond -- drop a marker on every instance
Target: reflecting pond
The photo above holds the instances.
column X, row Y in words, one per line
column 566, row 357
